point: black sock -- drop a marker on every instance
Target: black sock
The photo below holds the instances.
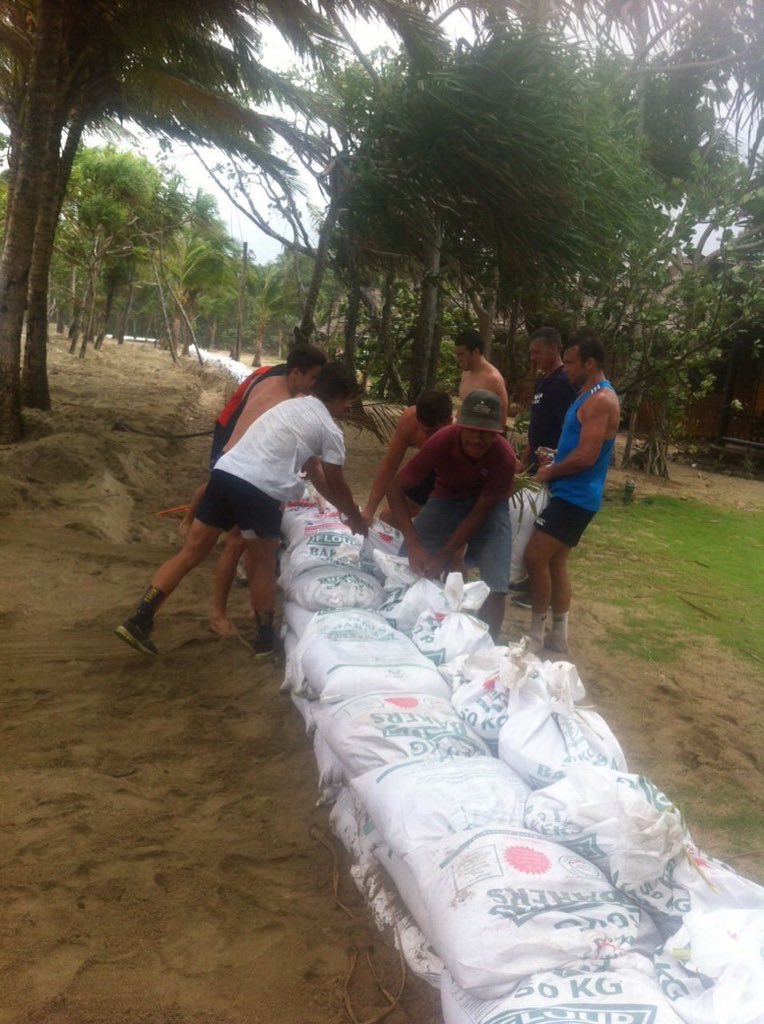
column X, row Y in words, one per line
column 264, row 621
column 147, row 607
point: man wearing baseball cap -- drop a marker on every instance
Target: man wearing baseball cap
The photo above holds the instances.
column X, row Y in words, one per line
column 474, row 471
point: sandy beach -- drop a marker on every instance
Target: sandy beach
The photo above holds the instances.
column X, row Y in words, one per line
column 162, row 854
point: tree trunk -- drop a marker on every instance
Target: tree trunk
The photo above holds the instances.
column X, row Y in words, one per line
column 351, row 318
column 392, row 385
column 87, row 334
column 31, row 147
column 259, row 339
column 121, row 331
column 34, row 380
column 485, row 310
column 74, row 328
column 241, row 310
column 105, row 314
column 424, row 332
column 644, row 363
column 304, row 331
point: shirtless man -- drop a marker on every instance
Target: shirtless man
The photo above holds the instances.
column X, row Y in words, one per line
column 303, row 365
column 477, row 372
column 417, row 424
column 576, row 480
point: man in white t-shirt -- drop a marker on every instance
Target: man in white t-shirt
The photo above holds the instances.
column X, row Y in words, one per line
column 246, row 489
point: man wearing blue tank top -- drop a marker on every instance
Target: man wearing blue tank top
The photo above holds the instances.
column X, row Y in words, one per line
column 576, row 480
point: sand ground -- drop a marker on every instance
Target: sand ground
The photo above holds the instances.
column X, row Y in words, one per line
column 160, row 845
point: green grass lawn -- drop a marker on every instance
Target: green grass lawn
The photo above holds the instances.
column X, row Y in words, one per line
column 679, row 569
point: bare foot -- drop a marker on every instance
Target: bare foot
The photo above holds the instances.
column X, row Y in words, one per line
column 222, row 625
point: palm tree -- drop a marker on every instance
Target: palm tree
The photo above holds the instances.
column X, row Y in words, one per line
column 186, row 68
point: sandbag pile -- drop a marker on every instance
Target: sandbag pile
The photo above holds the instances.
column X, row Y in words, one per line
column 491, row 817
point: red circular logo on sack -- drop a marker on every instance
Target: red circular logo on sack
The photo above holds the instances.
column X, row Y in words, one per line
column 402, row 702
column 527, row 860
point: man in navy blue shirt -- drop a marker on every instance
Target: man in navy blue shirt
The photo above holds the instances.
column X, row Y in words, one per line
column 553, row 396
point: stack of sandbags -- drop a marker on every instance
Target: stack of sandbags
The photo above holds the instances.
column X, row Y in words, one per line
column 545, row 884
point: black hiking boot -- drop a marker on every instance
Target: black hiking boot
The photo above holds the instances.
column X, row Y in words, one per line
column 264, row 643
column 137, row 636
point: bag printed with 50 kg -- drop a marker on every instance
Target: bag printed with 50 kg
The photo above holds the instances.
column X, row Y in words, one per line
column 587, row 992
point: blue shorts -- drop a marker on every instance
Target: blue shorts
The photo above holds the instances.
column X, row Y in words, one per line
column 489, row 548
column 230, row 501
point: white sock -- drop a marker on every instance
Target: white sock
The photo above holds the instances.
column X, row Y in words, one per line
column 559, row 631
column 537, row 625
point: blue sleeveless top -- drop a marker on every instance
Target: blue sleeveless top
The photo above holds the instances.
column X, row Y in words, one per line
column 586, row 488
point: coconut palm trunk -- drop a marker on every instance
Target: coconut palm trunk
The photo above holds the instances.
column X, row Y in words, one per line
column 34, row 377
column 33, row 145
column 423, row 355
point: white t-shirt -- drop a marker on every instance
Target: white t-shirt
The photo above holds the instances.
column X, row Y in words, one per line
column 273, row 450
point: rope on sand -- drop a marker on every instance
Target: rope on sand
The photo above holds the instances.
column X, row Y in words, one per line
column 393, row 1000
column 317, row 835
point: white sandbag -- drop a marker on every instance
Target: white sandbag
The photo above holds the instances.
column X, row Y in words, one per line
column 394, row 569
column 297, row 618
column 622, row 823
column 384, row 538
column 331, row 774
column 445, row 635
column 586, row 992
column 320, row 547
column 333, row 586
column 481, row 684
column 405, row 603
column 694, row 882
column 405, row 886
column 384, row 882
column 712, row 970
column 351, row 652
column 545, row 733
column 628, row 827
column 524, row 506
column 354, row 830
column 504, row 904
column 380, row 729
column 419, row 801
column 298, row 515
column 306, row 708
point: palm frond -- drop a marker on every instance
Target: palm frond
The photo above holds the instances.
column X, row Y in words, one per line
column 379, row 418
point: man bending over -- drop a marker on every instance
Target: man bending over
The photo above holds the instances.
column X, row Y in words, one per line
column 246, row 489
column 474, row 471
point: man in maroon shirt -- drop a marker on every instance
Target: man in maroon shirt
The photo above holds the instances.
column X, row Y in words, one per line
column 474, row 471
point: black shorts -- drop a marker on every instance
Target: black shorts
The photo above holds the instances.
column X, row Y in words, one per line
column 564, row 521
column 420, row 492
column 230, row 501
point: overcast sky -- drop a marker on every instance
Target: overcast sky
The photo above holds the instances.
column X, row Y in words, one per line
column 278, row 56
